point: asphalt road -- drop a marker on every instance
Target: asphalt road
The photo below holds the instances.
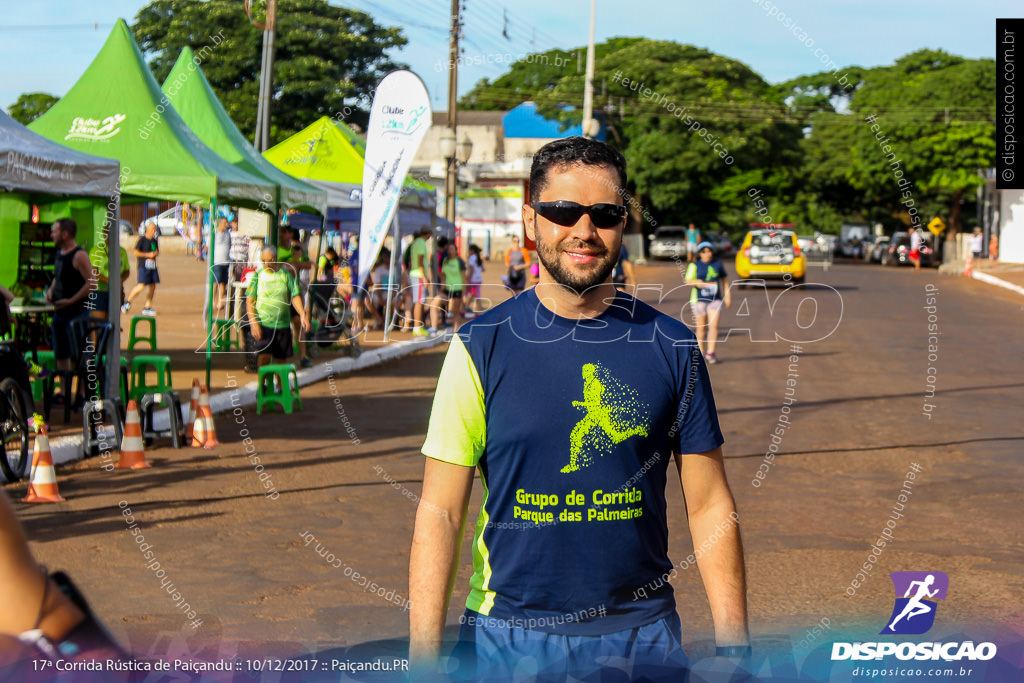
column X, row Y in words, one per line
column 347, row 473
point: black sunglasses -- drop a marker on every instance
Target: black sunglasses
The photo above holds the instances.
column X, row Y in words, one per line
column 567, row 213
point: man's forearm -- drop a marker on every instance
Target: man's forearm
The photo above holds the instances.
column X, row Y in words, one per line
column 83, row 292
column 432, row 567
column 716, row 541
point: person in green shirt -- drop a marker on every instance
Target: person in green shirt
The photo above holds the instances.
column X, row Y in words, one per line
column 453, row 279
column 99, row 298
column 419, row 279
column 291, row 253
column 271, row 291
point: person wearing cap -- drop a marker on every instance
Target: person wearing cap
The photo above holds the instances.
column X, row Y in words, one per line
column 710, row 290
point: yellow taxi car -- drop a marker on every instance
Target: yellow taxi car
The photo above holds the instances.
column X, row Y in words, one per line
column 769, row 252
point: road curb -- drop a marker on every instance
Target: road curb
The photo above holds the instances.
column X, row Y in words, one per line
column 998, row 282
column 68, row 448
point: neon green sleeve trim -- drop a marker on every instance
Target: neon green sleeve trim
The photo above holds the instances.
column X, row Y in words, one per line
column 691, row 272
column 458, row 428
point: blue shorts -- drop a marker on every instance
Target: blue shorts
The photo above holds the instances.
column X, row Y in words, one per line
column 495, row 650
column 220, row 274
column 99, row 301
column 148, row 276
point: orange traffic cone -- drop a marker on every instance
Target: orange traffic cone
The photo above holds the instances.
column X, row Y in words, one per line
column 204, row 433
column 969, row 270
column 193, row 409
column 43, row 485
column 133, row 455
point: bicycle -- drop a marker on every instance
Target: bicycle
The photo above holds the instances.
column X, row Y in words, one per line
column 330, row 321
column 13, row 430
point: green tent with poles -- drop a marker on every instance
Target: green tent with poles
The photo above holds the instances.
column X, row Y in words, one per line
column 193, row 98
column 117, row 110
column 329, row 155
column 188, row 90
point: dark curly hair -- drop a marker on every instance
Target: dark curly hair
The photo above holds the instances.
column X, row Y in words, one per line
column 575, row 151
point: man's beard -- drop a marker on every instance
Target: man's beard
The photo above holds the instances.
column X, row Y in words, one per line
column 582, row 279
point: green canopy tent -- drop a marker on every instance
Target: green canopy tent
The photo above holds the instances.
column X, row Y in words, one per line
column 329, row 155
column 117, row 110
column 188, row 90
column 193, row 98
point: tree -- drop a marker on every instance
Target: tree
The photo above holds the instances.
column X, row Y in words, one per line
column 31, row 106
column 905, row 144
column 937, row 113
column 326, row 57
column 698, row 130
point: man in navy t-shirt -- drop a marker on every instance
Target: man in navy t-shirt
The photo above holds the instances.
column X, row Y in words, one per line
column 570, row 400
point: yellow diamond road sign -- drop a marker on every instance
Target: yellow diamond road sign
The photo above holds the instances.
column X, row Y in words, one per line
column 937, row 226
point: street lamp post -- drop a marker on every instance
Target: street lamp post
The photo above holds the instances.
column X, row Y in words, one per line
column 448, row 146
column 455, row 154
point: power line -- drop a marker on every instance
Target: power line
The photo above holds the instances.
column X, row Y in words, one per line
column 57, row 27
column 404, row 19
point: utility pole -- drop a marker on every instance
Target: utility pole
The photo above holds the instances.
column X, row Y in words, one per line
column 450, row 177
column 589, row 130
column 266, row 95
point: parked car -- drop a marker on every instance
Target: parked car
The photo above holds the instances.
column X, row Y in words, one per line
column 898, row 251
column 721, row 243
column 771, row 254
column 668, row 241
column 166, row 223
column 875, row 250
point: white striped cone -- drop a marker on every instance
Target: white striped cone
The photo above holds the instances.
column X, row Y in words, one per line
column 133, row 453
column 193, row 409
column 204, row 433
column 42, row 487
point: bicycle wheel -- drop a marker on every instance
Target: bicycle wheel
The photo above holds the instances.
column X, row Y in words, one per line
column 14, row 430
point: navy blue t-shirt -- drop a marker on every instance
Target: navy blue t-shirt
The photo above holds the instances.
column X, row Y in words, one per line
column 711, row 272
column 572, row 425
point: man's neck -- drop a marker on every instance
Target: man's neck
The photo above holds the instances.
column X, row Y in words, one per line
column 565, row 303
column 68, row 246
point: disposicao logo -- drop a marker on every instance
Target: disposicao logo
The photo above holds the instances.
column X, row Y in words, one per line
column 916, row 595
column 913, row 613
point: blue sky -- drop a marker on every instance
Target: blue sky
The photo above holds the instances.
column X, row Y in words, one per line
column 46, row 45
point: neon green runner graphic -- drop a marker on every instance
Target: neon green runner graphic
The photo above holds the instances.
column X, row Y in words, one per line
column 613, row 414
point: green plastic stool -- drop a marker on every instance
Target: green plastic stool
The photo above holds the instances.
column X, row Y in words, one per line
column 224, row 337
column 46, row 360
column 133, row 333
column 274, row 384
column 160, row 366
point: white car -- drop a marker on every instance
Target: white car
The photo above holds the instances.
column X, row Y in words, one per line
column 166, row 223
column 668, row 241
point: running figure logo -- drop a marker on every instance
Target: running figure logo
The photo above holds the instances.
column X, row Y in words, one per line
column 914, row 612
column 613, row 414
